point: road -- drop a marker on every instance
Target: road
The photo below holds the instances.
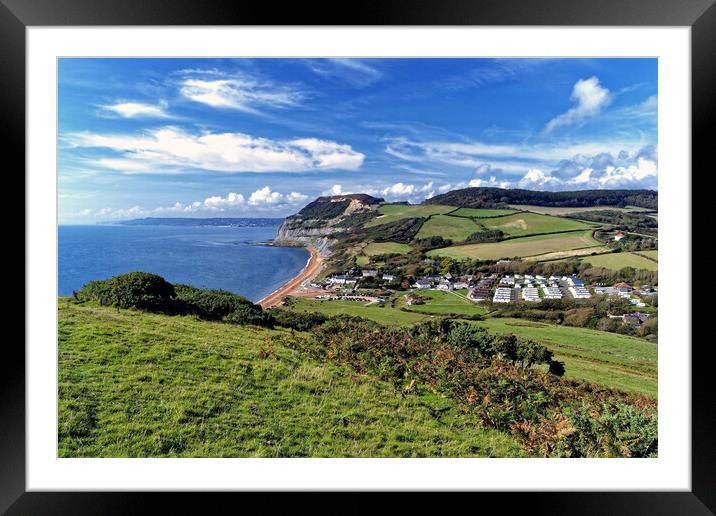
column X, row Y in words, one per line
column 310, row 271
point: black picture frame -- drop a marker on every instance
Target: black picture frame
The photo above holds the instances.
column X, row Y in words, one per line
column 700, row 15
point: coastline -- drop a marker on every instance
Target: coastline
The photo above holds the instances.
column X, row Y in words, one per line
column 310, row 271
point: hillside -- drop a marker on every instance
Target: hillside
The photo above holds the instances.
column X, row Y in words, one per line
column 481, row 197
column 135, row 384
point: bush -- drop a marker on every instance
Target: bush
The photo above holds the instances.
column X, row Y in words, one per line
column 301, row 321
column 620, row 430
column 207, row 304
column 250, row 314
column 140, row 290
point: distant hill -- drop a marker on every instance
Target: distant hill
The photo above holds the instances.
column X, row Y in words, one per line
column 185, row 221
column 480, row 197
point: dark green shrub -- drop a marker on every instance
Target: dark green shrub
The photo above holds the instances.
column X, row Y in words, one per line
column 619, row 430
column 208, row 304
column 250, row 314
column 140, row 290
column 301, row 321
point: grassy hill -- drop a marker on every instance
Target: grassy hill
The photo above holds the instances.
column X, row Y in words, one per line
column 613, row 360
column 135, row 384
column 519, row 247
column 456, row 229
column 521, row 224
column 394, row 212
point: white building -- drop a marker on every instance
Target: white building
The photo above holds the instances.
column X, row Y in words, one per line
column 552, row 292
column 502, row 295
column 530, row 294
column 389, row 277
column 579, row 293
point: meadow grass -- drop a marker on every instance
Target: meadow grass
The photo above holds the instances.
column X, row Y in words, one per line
column 393, row 212
column 456, row 229
column 616, row 261
column 378, row 248
column 383, row 314
column 133, row 384
column 477, row 213
column 519, row 247
column 653, row 254
column 524, row 224
column 442, row 303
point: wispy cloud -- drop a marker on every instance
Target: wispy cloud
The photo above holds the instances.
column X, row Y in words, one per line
column 137, row 110
column 171, row 149
column 239, row 91
column 355, row 72
column 589, row 98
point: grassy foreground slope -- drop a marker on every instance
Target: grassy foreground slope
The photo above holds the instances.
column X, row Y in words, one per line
column 135, row 384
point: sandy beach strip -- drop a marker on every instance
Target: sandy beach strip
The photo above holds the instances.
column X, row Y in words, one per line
column 310, row 271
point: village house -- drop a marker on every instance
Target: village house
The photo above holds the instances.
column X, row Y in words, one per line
column 369, row 272
column 444, row 285
column 423, row 284
column 389, row 277
column 622, row 288
column 618, row 236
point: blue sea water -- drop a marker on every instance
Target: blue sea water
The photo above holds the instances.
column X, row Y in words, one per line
column 229, row 258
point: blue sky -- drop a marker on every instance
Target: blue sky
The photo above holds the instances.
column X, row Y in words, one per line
column 262, row 137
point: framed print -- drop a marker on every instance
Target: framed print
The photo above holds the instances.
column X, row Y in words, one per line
column 423, row 251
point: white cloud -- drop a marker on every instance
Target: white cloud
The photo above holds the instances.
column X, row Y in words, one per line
column 537, row 180
column 137, row 110
column 589, row 97
column 265, row 196
column 172, row 149
column 264, row 199
column 238, row 91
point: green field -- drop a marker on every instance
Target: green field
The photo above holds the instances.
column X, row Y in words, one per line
column 616, row 261
column 133, row 384
column 549, row 210
column 523, row 224
column 614, row 360
column 442, row 303
column 374, row 312
column 653, row 254
column 456, row 229
column 477, row 213
column 519, row 247
column 378, row 248
column 393, row 212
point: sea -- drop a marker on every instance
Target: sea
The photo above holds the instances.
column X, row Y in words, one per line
column 231, row 257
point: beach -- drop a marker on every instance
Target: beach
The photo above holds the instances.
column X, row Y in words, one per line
column 310, row 271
